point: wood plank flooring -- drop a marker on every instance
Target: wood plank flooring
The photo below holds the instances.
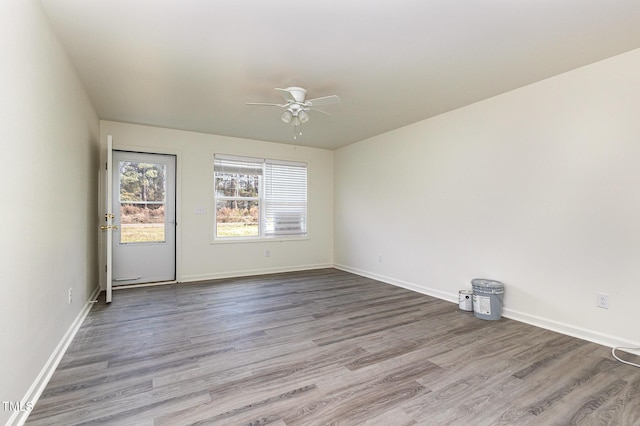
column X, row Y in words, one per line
column 324, row 347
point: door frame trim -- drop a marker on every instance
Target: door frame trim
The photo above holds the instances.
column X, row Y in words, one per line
column 178, row 171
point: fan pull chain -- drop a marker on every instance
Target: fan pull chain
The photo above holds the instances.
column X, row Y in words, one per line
column 297, row 131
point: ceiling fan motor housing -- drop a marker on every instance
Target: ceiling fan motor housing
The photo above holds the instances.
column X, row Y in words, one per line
column 298, row 93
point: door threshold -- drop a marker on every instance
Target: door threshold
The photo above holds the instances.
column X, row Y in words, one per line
column 153, row 284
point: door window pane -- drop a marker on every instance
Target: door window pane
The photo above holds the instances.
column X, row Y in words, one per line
column 142, row 202
column 142, row 223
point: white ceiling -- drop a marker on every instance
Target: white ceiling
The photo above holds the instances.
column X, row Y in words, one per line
column 193, row 64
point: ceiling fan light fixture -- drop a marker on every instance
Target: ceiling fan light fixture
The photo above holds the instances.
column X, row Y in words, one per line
column 297, row 107
column 286, row 117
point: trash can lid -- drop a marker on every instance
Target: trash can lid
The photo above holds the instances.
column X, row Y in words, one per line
column 481, row 282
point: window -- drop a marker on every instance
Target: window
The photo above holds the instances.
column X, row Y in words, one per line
column 142, row 196
column 257, row 198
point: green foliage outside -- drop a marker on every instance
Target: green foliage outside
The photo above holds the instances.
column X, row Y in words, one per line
column 142, row 182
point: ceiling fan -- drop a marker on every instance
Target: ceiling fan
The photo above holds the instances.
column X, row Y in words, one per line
column 297, row 107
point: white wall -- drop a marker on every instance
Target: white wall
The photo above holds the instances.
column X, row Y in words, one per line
column 538, row 188
column 48, row 185
column 198, row 257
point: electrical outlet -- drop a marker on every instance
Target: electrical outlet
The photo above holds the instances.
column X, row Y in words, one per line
column 70, row 295
column 602, row 300
column 379, row 258
column 267, row 253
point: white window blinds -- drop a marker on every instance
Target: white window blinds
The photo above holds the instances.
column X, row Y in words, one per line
column 227, row 165
column 285, row 198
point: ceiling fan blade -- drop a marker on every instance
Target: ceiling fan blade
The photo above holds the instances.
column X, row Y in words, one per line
column 265, row 104
column 319, row 110
column 325, row 100
column 286, row 95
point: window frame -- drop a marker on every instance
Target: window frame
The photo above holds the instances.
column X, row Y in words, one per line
column 262, row 200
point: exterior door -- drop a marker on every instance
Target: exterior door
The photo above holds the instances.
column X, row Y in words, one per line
column 144, row 210
column 108, row 218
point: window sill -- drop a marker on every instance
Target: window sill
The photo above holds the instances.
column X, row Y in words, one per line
column 259, row 240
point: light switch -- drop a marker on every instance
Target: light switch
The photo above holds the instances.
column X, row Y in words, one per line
column 200, row 210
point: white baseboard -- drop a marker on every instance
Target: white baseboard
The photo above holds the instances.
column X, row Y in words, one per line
column 399, row 283
column 33, row 394
column 252, row 272
column 571, row 330
column 548, row 324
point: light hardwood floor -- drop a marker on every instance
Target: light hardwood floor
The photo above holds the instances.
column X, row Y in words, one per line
column 325, row 347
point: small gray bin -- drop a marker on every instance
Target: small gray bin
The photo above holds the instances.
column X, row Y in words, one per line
column 487, row 298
